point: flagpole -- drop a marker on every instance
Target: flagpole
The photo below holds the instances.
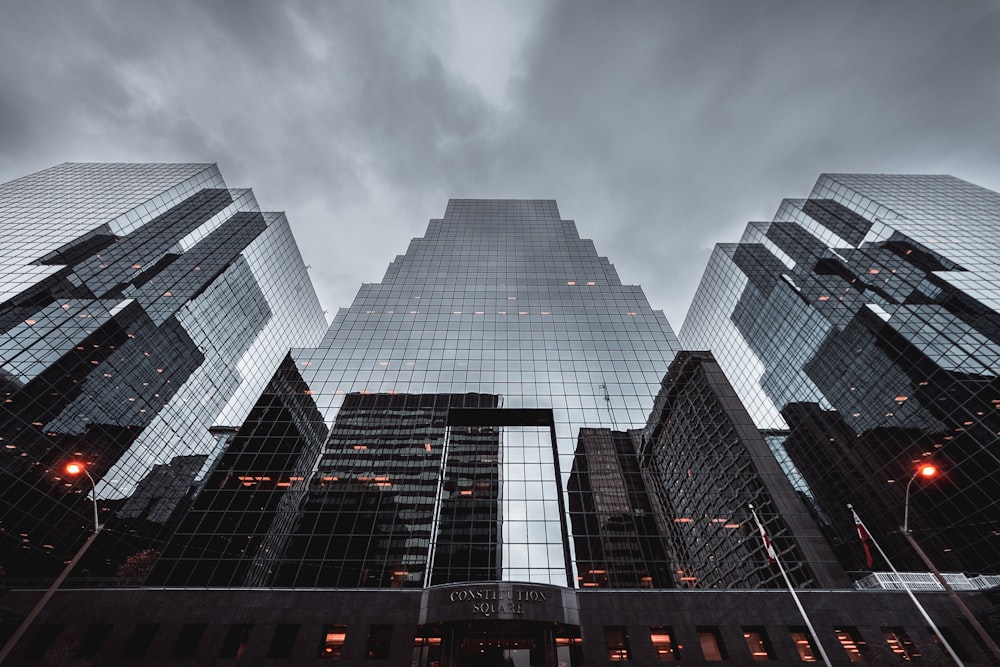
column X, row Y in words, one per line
column 773, row 554
column 937, row 631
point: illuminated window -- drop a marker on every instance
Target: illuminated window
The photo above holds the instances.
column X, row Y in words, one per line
column 426, row 651
column 662, row 638
column 333, row 642
column 900, row 644
column 803, row 644
column 616, row 642
column 756, row 639
column 853, row 645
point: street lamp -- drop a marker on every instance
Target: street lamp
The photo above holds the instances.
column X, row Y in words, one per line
column 75, row 468
column 72, row 468
column 926, row 471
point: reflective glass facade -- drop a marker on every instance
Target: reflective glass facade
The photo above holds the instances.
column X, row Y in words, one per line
column 140, row 304
column 490, row 458
column 707, row 464
column 860, row 328
column 455, row 392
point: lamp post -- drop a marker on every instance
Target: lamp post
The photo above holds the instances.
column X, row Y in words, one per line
column 928, row 471
column 73, row 468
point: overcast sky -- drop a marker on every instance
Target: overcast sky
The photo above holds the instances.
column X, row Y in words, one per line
column 660, row 127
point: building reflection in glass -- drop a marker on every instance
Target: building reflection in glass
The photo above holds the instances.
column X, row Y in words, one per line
column 863, row 320
column 455, row 390
column 140, row 305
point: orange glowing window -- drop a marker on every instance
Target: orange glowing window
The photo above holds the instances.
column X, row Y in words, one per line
column 663, row 643
column 333, row 642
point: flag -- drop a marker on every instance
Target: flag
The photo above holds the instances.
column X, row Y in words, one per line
column 772, row 555
column 863, row 534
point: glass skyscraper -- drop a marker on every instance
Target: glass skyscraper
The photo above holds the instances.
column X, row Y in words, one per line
column 860, row 328
column 455, row 391
column 482, row 462
column 141, row 305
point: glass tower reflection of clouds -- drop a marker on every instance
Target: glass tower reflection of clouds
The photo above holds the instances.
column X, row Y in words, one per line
column 455, row 391
column 862, row 322
column 502, row 298
column 139, row 305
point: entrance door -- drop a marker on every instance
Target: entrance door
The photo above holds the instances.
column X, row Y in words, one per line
column 497, row 644
column 493, row 652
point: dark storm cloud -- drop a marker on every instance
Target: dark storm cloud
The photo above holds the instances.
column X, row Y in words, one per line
column 664, row 127
column 661, row 127
column 326, row 110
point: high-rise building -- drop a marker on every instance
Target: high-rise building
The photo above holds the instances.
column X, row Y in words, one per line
column 466, row 471
column 456, row 389
column 708, row 465
column 861, row 328
column 618, row 535
column 141, row 305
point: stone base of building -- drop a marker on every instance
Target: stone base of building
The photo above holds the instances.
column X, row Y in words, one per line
column 482, row 624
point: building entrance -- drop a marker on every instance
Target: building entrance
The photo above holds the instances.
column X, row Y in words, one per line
column 502, row 644
column 493, row 652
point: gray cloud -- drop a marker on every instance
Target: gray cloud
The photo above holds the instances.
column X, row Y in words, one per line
column 660, row 127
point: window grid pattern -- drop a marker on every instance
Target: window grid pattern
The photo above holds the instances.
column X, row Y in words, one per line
column 499, row 306
column 139, row 306
column 876, row 348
